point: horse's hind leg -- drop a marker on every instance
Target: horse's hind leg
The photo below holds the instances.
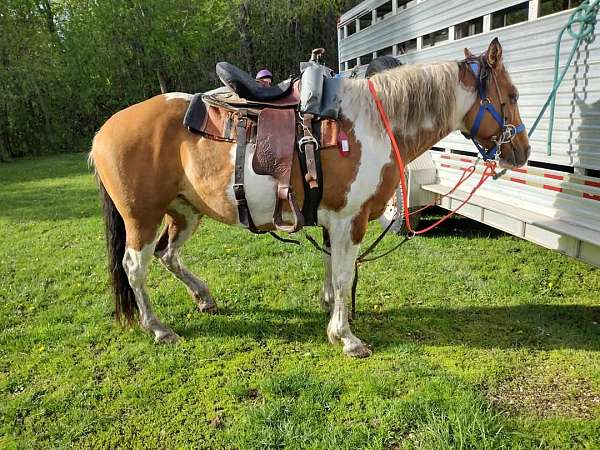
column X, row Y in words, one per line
column 136, row 261
column 181, row 222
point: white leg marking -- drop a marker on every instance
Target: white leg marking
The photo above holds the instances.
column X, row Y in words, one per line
column 343, row 255
column 136, row 265
column 169, row 257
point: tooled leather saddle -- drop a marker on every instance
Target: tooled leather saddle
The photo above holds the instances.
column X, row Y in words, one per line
column 244, row 112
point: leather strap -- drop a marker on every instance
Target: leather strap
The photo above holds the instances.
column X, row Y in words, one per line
column 309, row 148
column 312, row 197
column 238, row 185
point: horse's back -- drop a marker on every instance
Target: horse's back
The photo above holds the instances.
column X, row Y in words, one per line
column 159, row 114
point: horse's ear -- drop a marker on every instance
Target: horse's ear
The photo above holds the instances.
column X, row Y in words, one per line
column 468, row 53
column 494, row 54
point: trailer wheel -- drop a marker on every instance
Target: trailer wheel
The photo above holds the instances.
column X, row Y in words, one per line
column 393, row 210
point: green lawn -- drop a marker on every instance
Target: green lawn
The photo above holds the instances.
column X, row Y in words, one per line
column 481, row 340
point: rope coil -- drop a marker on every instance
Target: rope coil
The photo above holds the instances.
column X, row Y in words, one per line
column 581, row 27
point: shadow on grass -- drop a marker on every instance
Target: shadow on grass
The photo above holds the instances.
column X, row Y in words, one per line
column 456, row 226
column 540, row 327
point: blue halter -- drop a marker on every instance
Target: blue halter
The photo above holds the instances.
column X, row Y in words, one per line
column 507, row 131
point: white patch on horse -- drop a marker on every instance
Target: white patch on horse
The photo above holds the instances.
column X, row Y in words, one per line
column 464, row 100
column 375, row 154
column 191, row 218
column 178, row 96
column 135, row 263
column 261, row 190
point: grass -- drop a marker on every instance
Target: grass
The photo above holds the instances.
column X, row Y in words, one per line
column 482, row 341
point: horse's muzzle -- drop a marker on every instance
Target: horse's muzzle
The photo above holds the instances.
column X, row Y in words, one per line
column 517, row 157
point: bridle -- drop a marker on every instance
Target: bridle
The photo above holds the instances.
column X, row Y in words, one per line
column 481, row 70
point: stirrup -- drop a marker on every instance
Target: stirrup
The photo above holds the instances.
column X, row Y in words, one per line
column 298, row 221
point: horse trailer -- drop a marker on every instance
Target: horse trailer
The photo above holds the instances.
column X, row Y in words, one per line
column 554, row 201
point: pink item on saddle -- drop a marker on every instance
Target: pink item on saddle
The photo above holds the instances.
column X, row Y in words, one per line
column 343, row 145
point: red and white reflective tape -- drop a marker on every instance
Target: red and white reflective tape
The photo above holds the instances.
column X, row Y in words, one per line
column 566, row 183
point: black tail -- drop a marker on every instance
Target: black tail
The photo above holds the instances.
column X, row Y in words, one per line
column 125, row 306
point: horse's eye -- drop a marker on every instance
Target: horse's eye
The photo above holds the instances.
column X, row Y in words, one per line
column 514, row 97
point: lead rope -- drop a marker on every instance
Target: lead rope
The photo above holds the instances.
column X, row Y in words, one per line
column 489, row 171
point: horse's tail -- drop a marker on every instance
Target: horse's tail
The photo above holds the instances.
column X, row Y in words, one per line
column 125, row 305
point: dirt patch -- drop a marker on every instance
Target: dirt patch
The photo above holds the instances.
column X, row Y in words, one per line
column 546, row 394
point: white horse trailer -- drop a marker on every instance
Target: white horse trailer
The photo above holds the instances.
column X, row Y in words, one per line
column 555, row 200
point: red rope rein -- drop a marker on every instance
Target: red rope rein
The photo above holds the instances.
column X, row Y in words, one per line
column 489, row 171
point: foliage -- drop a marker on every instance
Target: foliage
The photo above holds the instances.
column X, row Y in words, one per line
column 67, row 65
column 482, row 340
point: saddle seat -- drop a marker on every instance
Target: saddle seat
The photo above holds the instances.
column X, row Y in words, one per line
column 250, row 90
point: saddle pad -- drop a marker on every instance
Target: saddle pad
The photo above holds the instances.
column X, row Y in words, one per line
column 275, row 143
column 209, row 120
column 195, row 116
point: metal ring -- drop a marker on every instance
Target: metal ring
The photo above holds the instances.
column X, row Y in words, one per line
column 308, row 139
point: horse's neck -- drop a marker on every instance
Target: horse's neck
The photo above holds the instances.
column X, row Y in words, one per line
column 419, row 119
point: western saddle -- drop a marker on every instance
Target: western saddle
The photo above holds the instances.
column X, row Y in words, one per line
column 245, row 112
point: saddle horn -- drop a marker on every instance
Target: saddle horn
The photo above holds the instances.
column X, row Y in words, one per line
column 316, row 54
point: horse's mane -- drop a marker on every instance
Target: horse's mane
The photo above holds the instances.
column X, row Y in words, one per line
column 415, row 97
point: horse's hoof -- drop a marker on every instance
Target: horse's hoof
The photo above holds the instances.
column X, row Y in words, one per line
column 358, row 351
column 168, row 337
column 208, row 307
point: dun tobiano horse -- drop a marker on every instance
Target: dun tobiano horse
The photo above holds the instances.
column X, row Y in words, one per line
column 151, row 169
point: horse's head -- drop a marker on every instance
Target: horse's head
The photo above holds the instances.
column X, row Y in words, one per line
column 493, row 121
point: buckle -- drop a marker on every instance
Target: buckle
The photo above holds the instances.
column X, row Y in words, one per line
column 305, row 140
column 238, row 191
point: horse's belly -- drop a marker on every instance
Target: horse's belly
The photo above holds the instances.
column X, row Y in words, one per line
column 210, row 178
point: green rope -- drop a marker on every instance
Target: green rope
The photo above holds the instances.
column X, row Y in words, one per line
column 585, row 17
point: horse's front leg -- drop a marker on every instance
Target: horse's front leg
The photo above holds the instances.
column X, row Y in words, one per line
column 343, row 256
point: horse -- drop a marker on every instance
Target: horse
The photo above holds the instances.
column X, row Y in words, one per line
column 152, row 170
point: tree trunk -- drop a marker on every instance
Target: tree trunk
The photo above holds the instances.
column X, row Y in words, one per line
column 246, row 37
column 161, row 80
column 4, row 135
column 46, row 10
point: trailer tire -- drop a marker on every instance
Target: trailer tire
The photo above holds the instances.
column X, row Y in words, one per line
column 395, row 210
